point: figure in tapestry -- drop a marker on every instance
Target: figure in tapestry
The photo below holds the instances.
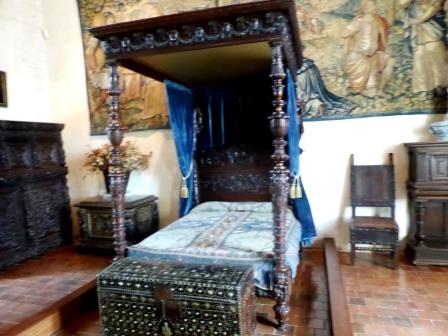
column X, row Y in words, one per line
column 391, row 50
column 316, row 100
column 388, row 57
column 368, row 67
column 425, row 21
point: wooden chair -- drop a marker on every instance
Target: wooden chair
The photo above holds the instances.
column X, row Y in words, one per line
column 373, row 186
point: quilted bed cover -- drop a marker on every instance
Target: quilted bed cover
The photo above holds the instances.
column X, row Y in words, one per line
column 225, row 233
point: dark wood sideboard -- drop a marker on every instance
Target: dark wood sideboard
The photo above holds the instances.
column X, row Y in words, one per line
column 34, row 202
column 428, row 193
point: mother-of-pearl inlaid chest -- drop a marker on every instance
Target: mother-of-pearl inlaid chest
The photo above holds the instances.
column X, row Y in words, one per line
column 138, row 297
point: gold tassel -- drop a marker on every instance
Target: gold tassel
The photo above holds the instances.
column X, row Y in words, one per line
column 295, row 191
column 298, row 191
column 183, row 189
column 292, row 190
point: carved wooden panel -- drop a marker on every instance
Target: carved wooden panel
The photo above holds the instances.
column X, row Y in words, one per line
column 47, row 153
column 439, row 167
column 34, row 204
column 428, row 195
column 12, row 229
column 436, row 219
column 233, row 174
column 99, row 224
column 19, row 154
column 271, row 22
column 95, row 214
column 428, row 164
column 46, row 210
column 419, row 167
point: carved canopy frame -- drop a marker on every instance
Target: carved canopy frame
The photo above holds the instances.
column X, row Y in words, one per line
column 271, row 21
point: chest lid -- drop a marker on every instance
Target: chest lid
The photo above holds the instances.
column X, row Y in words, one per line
column 212, row 281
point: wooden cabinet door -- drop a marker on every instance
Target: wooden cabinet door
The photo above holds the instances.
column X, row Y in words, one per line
column 14, row 239
column 48, row 212
column 435, row 219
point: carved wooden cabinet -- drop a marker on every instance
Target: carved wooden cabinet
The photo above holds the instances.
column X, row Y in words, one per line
column 34, row 202
column 95, row 217
column 428, row 193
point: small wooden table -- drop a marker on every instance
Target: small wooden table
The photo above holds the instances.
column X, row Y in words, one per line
column 95, row 221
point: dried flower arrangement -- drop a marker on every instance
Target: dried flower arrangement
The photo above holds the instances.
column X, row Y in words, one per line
column 98, row 159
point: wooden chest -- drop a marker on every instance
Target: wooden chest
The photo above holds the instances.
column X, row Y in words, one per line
column 95, row 219
column 138, row 297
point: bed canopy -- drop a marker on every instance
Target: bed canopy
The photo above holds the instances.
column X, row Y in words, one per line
column 221, row 67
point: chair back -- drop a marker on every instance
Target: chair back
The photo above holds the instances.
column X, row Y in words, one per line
column 372, row 186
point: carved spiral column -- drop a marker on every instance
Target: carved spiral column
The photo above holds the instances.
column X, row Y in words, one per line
column 115, row 130
column 279, row 189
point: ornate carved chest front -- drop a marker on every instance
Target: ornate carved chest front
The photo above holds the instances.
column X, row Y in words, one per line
column 151, row 298
column 95, row 216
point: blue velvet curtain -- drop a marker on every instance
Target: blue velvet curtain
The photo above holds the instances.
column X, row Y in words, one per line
column 298, row 199
column 181, row 112
column 182, row 118
column 215, row 102
column 227, row 115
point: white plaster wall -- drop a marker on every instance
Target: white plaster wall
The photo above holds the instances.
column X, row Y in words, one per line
column 325, row 162
column 69, row 106
column 24, row 57
column 51, row 87
column 43, row 57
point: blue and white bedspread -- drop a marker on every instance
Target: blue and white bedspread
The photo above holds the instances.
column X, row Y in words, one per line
column 224, row 233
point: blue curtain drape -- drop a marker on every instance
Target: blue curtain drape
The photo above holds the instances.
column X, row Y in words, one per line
column 298, row 199
column 182, row 118
column 215, row 116
column 228, row 112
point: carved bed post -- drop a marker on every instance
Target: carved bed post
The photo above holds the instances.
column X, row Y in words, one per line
column 115, row 129
column 279, row 189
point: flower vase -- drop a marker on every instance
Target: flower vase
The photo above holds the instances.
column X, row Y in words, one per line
column 108, row 181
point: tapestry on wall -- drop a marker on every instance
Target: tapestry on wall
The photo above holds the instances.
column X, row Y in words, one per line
column 142, row 101
column 362, row 58
column 372, row 58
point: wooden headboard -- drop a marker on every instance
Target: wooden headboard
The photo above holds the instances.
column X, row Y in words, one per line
column 233, row 174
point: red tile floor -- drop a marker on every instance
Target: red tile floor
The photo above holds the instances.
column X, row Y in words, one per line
column 31, row 289
column 309, row 308
column 410, row 301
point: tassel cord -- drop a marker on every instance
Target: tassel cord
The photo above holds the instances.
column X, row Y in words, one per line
column 295, row 190
column 183, row 186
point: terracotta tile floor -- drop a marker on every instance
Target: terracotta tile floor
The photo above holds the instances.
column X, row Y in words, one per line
column 410, row 301
column 34, row 286
column 309, row 307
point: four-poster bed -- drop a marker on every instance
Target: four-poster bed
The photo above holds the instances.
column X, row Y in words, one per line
column 230, row 49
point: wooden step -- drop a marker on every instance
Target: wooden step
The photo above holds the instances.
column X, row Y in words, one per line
column 36, row 296
column 339, row 314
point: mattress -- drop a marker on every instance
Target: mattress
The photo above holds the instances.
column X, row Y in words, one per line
column 224, row 233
